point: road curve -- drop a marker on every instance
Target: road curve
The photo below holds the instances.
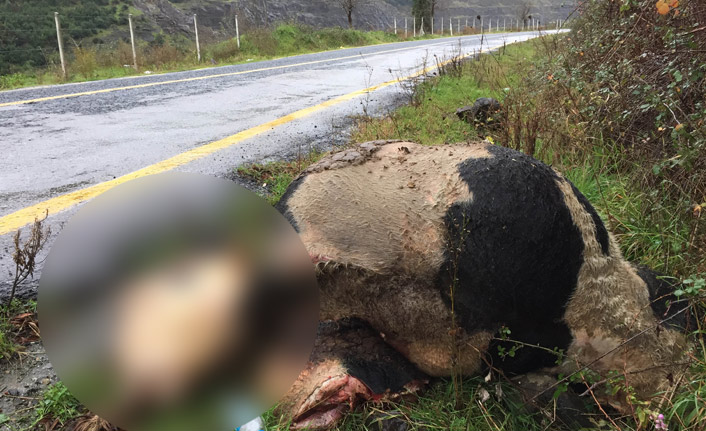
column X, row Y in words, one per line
column 64, row 144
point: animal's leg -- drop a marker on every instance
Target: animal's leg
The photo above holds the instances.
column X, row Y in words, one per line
column 350, row 364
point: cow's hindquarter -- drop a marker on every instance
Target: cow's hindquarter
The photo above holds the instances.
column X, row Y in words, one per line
column 612, row 318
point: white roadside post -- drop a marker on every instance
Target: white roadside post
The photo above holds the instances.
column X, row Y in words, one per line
column 395, row 26
column 198, row 48
column 421, row 28
column 414, row 25
column 481, row 24
column 504, row 25
column 237, row 31
column 405, row 27
column 442, row 25
column 490, row 25
column 132, row 42
column 432, row 25
column 458, row 25
column 61, row 44
column 451, row 27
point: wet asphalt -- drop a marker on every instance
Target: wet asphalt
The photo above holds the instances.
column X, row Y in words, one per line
column 52, row 147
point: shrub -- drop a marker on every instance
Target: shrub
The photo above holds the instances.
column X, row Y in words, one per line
column 85, row 61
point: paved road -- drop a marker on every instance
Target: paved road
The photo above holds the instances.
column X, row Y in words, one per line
column 64, row 144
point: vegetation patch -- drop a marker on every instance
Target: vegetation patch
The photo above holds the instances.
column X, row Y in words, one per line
column 18, row 327
column 276, row 176
column 57, row 407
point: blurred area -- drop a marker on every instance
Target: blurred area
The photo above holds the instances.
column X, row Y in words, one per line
column 178, row 301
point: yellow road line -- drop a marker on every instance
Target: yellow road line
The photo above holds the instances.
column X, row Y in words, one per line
column 25, row 216
column 199, row 78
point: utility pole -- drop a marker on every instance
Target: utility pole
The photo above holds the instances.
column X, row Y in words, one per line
column 132, row 42
column 237, row 31
column 198, row 48
column 61, row 44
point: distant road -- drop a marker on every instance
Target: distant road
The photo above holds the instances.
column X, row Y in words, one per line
column 64, row 144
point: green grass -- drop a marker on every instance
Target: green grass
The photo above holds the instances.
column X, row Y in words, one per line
column 58, row 404
column 430, row 119
column 9, row 347
column 276, row 176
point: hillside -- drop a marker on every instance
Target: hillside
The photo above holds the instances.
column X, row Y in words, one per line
column 28, row 38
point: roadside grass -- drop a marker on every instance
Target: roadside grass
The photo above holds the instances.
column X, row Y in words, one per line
column 276, row 176
column 172, row 54
column 16, row 320
column 430, row 117
column 57, row 405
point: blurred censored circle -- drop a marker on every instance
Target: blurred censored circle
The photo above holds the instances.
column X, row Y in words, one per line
column 178, row 302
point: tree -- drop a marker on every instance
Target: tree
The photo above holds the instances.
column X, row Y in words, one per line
column 422, row 9
column 432, row 7
column 349, row 6
column 523, row 10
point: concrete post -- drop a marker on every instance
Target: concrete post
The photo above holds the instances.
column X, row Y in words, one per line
column 132, row 42
column 198, row 47
column 237, row 31
column 61, row 44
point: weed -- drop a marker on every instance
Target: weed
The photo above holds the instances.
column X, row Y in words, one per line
column 17, row 327
column 57, row 404
column 85, row 61
column 276, row 176
column 25, row 254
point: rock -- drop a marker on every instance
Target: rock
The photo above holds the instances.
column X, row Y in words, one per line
column 485, row 111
